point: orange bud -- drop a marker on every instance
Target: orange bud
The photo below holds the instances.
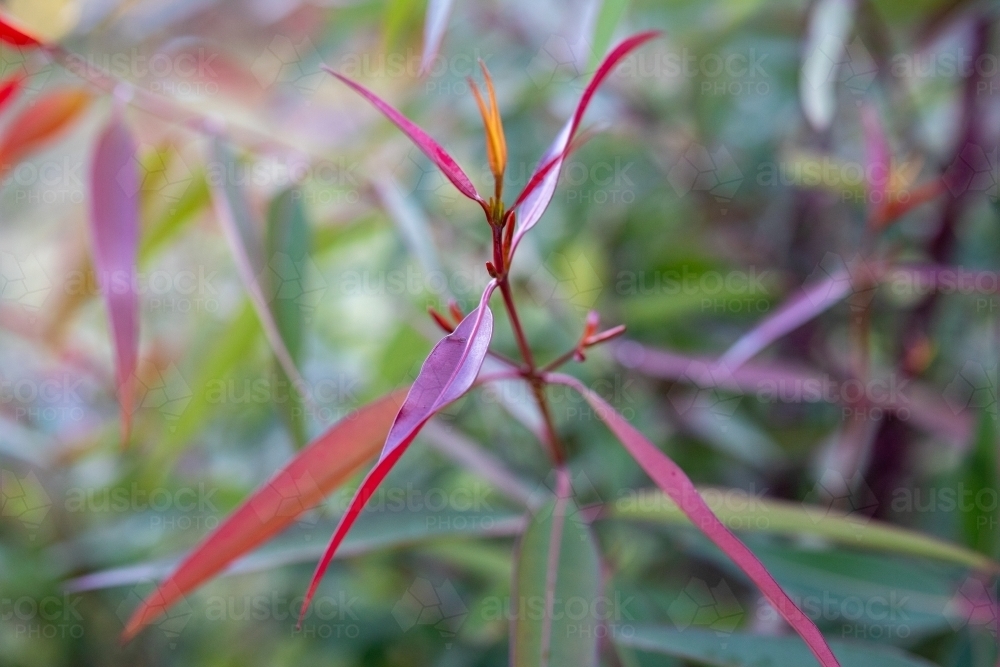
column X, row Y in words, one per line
column 496, row 143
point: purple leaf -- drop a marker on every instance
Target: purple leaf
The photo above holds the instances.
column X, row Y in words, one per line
column 537, row 194
column 432, row 149
column 114, row 227
column 448, row 372
column 672, row 480
column 435, row 23
column 804, row 306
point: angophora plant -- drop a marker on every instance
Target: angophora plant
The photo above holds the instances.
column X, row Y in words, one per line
column 453, row 368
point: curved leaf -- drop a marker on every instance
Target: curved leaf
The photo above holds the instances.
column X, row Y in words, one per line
column 537, row 194
column 435, row 24
column 9, row 90
column 318, row 469
column 233, row 212
column 447, row 373
column 557, row 561
column 705, row 647
column 43, row 120
column 114, row 228
column 432, row 149
column 14, row 34
column 672, row 480
column 743, row 511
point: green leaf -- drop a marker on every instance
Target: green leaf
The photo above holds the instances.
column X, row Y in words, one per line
column 720, row 649
column 743, row 512
column 604, row 29
column 173, row 218
column 980, row 520
column 557, row 573
column 287, row 252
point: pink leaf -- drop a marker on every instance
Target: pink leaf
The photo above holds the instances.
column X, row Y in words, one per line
column 435, row 23
column 448, row 372
column 14, row 34
column 878, row 161
column 537, row 194
column 792, row 314
column 672, row 480
column 432, row 149
column 114, row 226
column 303, row 483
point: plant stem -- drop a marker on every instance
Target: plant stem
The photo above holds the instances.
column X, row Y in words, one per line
column 532, row 375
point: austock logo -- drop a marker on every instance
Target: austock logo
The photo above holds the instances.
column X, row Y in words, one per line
column 857, row 276
column 283, row 498
column 975, row 387
column 700, row 170
column 23, row 281
column 558, row 61
column 701, row 606
column 169, row 620
column 566, row 282
column 701, row 391
column 19, row 62
column 295, row 280
column 160, row 170
column 415, row 176
column 289, row 63
column 976, row 169
column 24, row 499
column 974, row 605
column 835, row 495
column 439, row 606
column 161, row 389
column 48, row 617
column 837, row 60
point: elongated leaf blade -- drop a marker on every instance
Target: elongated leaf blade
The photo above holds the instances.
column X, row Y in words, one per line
column 672, row 480
column 9, row 90
column 14, row 34
column 431, row 148
column 435, row 24
column 288, row 242
column 39, row 123
column 448, row 372
column 537, row 194
column 114, row 228
column 557, row 561
column 830, row 23
column 317, row 470
column 804, row 306
column 746, row 512
column 705, row 647
column 234, row 215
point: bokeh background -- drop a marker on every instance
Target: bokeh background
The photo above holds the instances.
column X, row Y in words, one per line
column 726, row 170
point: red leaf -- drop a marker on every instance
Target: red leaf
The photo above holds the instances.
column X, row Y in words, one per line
column 447, row 373
column 9, row 90
column 40, row 122
column 14, row 34
column 314, row 472
column 537, row 194
column 114, row 228
column 432, row 149
column 672, row 480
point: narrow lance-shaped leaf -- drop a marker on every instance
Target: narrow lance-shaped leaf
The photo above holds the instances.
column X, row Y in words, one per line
column 303, row 483
column 448, row 372
column 672, row 480
column 557, row 561
column 878, row 163
column 792, row 314
column 435, row 24
column 15, row 34
column 830, row 23
column 34, row 125
column 233, row 212
column 114, row 228
column 537, row 194
column 9, row 90
column 286, row 284
column 432, row 149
